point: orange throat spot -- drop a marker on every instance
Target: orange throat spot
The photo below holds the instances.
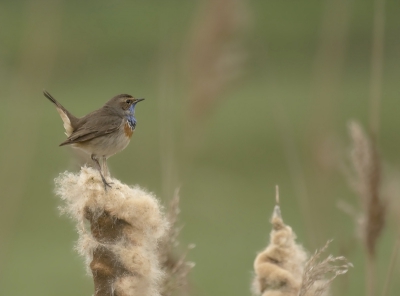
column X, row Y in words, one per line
column 128, row 131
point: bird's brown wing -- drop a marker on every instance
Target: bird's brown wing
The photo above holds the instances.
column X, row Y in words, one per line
column 96, row 124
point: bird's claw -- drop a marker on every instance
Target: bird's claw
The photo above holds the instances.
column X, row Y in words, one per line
column 106, row 184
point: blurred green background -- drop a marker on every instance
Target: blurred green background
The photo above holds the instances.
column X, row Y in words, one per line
column 240, row 96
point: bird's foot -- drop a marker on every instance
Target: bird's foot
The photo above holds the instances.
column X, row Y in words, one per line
column 106, row 184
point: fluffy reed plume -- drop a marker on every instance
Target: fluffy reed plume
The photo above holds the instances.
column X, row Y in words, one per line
column 176, row 268
column 126, row 224
column 215, row 54
column 366, row 182
column 281, row 269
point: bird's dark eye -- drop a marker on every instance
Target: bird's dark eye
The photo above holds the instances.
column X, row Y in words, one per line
column 129, row 101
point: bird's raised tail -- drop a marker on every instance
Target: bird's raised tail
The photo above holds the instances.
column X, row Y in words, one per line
column 70, row 121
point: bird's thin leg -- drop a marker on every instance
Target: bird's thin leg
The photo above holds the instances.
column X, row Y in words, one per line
column 94, row 158
column 104, row 167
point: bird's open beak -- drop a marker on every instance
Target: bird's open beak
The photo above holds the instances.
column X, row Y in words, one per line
column 138, row 100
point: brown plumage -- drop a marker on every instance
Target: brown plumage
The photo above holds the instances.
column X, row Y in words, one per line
column 103, row 132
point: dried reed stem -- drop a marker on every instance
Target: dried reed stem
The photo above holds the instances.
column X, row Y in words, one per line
column 166, row 99
column 378, row 35
column 175, row 267
column 215, row 56
column 393, row 262
column 376, row 94
column 370, row 275
column 296, row 171
column 214, row 59
column 35, row 58
column 330, row 54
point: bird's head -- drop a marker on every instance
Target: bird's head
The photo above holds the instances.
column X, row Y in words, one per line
column 124, row 103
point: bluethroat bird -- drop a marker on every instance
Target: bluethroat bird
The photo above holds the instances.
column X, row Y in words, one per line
column 101, row 133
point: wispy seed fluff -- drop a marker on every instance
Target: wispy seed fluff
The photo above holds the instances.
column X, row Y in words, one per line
column 282, row 269
column 126, row 224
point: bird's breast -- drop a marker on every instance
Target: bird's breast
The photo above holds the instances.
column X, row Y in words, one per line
column 128, row 129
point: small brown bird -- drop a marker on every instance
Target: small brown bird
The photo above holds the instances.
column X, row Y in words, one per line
column 101, row 133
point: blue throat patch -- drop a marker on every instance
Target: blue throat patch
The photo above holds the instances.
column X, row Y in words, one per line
column 132, row 121
column 131, row 117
